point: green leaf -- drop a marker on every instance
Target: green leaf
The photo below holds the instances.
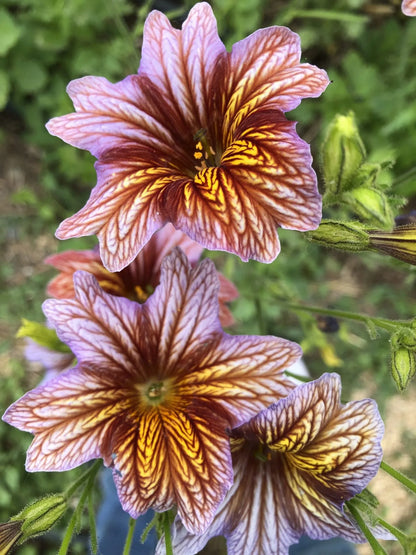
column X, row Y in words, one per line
column 42, row 335
column 9, row 32
column 30, row 75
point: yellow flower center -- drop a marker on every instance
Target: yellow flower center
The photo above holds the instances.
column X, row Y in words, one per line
column 156, row 392
column 204, row 154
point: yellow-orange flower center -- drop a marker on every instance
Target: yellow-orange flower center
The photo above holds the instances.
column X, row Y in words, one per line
column 204, row 154
column 156, row 392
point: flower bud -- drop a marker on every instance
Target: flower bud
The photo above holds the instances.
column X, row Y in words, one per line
column 41, row 515
column 399, row 243
column 346, row 236
column 371, row 205
column 403, row 360
column 343, row 152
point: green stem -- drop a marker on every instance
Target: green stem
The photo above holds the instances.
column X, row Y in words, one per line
column 63, row 550
column 393, row 530
column 88, row 474
column 384, row 323
column 166, row 530
column 129, row 537
column 405, row 176
column 399, row 476
column 376, row 547
column 329, row 15
column 304, row 379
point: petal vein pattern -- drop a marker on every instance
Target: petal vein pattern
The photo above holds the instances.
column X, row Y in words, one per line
column 168, row 142
column 300, row 488
column 155, row 392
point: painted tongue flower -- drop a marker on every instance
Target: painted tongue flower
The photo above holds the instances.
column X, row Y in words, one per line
column 295, row 464
column 155, row 390
column 197, row 138
column 409, row 7
column 137, row 280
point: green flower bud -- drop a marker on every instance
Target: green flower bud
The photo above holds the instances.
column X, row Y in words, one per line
column 346, row 236
column 371, row 205
column 399, row 243
column 403, row 361
column 343, row 152
column 41, row 515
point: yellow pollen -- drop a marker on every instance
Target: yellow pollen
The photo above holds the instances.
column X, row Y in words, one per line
column 204, row 154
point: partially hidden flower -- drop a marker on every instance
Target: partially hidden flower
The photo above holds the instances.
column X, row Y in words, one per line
column 53, row 362
column 137, row 280
column 10, row 533
column 399, row 243
column 197, row 138
column 295, row 464
column 409, row 7
column 156, row 388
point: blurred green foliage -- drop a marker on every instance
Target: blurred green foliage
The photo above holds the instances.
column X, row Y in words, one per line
column 369, row 51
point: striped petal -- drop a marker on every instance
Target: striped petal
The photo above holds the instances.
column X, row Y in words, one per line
column 250, row 175
column 295, row 464
column 171, row 457
column 409, row 7
column 182, row 64
column 99, row 328
column 73, row 417
column 264, row 180
column 156, row 389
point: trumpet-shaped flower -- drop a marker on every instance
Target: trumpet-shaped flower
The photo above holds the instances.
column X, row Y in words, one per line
column 197, row 138
column 295, row 464
column 409, row 7
column 156, row 388
column 137, row 280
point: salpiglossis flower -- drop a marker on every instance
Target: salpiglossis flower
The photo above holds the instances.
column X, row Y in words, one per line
column 156, row 388
column 409, row 7
column 137, row 280
column 197, row 138
column 295, row 464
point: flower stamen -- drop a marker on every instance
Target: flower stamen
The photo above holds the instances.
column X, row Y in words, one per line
column 204, row 154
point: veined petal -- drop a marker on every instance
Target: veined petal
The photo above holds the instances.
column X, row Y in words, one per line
column 265, row 180
column 183, row 313
column 73, row 416
column 170, row 458
column 282, row 488
column 98, row 327
column 292, row 424
column 123, row 210
column 244, row 375
column 68, row 262
column 182, row 63
column 265, row 70
column 409, row 7
column 109, row 116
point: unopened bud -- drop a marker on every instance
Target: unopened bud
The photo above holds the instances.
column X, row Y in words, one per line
column 346, row 236
column 41, row 515
column 403, row 361
column 343, row 152
column 399, row 243
column 371, row 205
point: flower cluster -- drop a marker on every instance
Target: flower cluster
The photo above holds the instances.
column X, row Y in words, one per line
column 187, row 416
